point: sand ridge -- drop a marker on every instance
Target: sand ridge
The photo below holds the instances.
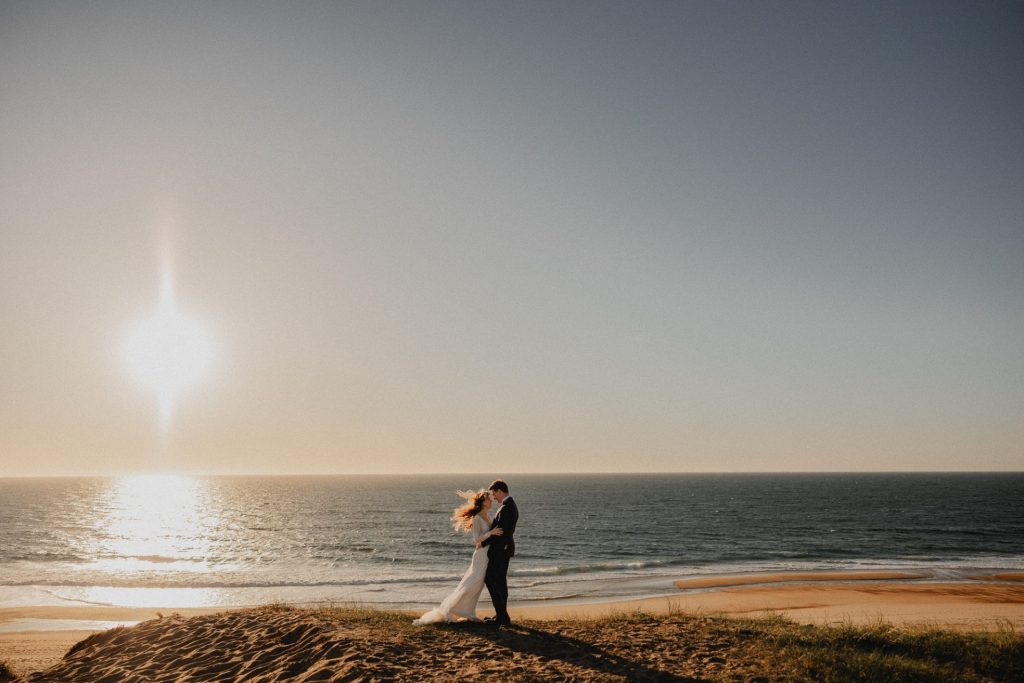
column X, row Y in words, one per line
column 276, row 643
column 253, row 645
column 261, row 645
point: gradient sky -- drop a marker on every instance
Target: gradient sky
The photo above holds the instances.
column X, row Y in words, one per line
column 517, row 237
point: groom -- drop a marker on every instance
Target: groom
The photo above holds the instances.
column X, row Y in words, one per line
column 500, row 550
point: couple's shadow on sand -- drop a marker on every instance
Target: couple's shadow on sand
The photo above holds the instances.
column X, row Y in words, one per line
column 555, row 647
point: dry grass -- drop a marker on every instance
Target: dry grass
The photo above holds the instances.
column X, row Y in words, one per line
column 679, row 646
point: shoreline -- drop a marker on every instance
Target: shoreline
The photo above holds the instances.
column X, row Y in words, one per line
column 683, row 593
column 974, row 602
column 29, row 640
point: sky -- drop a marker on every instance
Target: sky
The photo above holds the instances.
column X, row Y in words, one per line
column 515, row 237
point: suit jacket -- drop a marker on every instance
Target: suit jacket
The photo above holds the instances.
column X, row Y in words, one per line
column 506, row 518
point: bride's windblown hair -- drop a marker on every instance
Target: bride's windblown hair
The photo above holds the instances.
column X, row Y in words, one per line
column 462, row 517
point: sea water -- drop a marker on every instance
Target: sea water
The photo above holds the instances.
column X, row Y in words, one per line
column 387, row 540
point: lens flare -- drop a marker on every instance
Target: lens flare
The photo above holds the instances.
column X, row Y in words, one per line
column 167, row 352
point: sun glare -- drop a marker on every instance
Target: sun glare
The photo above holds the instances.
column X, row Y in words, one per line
column 167, row 352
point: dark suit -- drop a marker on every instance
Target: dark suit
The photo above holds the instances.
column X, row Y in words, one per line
column 500, row 550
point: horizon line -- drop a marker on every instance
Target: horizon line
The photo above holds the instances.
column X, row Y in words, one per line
column 486, row 475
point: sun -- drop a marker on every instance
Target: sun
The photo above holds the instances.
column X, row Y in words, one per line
column 167, row 352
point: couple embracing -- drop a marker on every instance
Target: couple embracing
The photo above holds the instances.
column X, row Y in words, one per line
column 495, row 546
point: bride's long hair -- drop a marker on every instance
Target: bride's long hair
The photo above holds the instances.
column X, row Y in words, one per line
column 462, row 517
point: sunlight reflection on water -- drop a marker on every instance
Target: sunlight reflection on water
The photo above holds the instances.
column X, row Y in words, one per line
column 155, row 519
column 148, row 524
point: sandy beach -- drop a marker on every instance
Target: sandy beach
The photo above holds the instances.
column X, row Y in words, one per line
column 821, row 598
column 862, row 598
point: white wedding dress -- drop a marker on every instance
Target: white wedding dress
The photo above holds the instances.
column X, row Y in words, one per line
column 462, row 601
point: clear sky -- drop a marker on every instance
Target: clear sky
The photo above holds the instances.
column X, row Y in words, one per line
column 516, row 237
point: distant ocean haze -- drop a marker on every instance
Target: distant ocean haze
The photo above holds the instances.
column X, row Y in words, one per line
column 186, row 540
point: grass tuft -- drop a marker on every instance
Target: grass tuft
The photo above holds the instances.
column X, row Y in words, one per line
column 883, row 652
column 96, row 639
column 6, row 675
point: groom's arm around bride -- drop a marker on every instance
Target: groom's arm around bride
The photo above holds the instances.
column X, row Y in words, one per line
column 508, row 515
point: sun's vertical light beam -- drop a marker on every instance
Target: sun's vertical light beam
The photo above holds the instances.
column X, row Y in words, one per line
column 168, row 351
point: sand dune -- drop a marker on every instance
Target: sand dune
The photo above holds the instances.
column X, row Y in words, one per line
column 282, row 644
column 253, row 645
column 286, row 644
column 270, row 643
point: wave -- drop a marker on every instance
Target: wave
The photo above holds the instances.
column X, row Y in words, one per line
column 531, row 575
column 114, row 582
column 599, row 567
column 198, row 581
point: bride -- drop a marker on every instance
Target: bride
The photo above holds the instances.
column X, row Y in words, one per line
column 470, row 517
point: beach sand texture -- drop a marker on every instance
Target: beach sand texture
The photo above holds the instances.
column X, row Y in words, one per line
column 271, row 642
column 37, row 650
column 288, row 644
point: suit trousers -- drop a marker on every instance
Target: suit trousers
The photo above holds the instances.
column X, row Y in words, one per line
column 496, row 580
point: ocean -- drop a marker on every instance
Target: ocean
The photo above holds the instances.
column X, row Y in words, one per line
column 387, row 540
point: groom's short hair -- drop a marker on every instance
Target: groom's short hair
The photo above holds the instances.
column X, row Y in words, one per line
column 498, row 485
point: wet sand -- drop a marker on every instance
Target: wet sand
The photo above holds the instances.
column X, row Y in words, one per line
column 960, row 606
column 1004, row 576
column 784, row 577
